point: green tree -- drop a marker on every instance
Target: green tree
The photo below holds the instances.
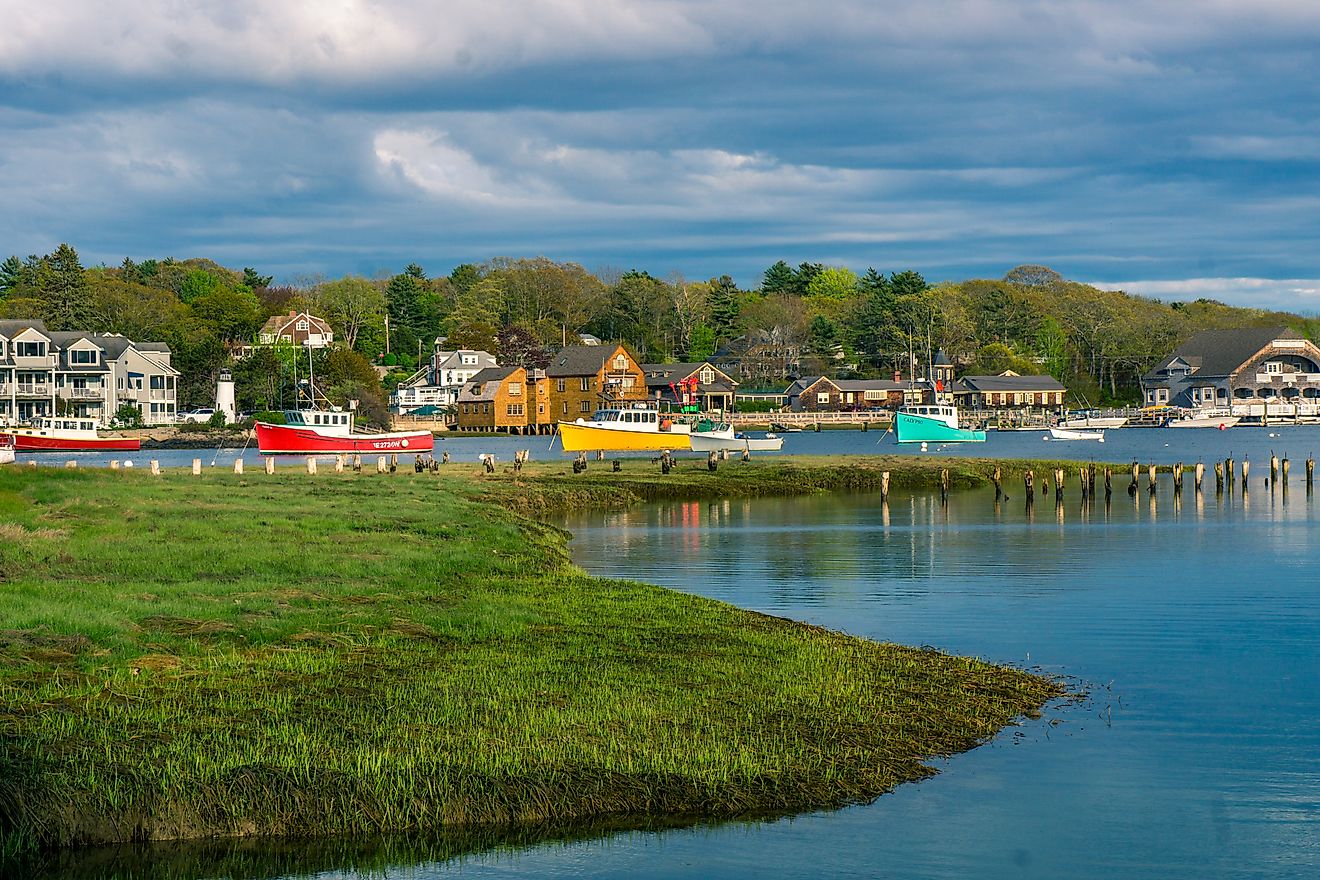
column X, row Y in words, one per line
column 351, row 304
column 255, row 281
column 1033, row 276
column 519, row 347
column 12, row 274
column 832, row 282
column 61, row 284
column 779, row 278
column 723, row 308
column 232, row 315
column 198, row 283
column 702, row 344
column 803, row 276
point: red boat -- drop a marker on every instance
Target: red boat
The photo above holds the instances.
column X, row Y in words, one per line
column 321, row 432
column 53, row 434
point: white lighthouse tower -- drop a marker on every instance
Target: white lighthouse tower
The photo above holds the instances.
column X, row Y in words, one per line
column 224, row 397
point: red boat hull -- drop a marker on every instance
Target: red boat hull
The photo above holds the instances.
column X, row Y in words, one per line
column 287, row 440
column 28, row 443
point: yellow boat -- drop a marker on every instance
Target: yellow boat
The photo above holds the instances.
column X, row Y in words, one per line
column 640, row 427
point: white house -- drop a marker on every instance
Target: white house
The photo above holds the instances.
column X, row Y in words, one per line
column 438, row 383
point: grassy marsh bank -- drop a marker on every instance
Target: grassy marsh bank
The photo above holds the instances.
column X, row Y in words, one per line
column 188, row 657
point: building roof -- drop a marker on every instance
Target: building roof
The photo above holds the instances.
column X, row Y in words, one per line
column 276, row 323
column 1220, row 352
column 483, row 385
column 1011, row 383
column 663, row 375
column 12, row 327
column 580, row 360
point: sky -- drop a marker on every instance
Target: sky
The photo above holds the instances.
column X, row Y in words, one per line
column 1165, row 147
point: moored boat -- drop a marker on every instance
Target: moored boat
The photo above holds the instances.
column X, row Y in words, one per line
column 56, row 434
column 1092, row 419
column 1058, row 433
column 933, row 423
column 330, row 432
column 640, row 427
column 1222, row 419
column 706, row 441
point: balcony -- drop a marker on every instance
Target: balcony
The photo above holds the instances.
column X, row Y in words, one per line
column 84, row 393
column 1287, row 378
column 28, row 389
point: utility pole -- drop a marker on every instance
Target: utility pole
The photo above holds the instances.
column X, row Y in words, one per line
column 387, row 334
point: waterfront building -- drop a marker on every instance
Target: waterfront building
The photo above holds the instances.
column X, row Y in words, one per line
column 1255, row 370
column 702, row 385
column 302, row 329
column 1008, row 390
column 582, row 377
column 439, row 382
column 823, row 394
column 87, row 375
column 510, row 399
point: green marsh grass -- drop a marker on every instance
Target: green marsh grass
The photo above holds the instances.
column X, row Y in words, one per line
column 212, row 656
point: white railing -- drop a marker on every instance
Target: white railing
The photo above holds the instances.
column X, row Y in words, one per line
column 1287, row 378
column 6, row 389
column 31, row 390
column 85, row 393
column 801, row 418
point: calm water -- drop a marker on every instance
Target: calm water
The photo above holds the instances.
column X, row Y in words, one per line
column 1160, row 445
column 1193, row 624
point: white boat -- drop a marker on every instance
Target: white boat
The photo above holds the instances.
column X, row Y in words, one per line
column 725, row 437
column 6, row 453
column 1057, row 433
column 1089, row 420
column 1222, row 419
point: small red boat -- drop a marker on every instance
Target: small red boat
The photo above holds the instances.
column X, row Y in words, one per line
column 55, row 434
column 322, row 432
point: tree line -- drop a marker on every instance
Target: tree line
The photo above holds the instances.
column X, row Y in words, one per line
column 799, row 320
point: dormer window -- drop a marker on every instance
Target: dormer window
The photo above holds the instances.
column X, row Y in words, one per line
column 1273, row 367
column 82, row 356
column 707, row 377
column 29, row 349
column 301, row 325
column 620, row 363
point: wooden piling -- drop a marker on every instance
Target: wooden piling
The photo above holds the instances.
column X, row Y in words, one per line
column 884, row 485
column 270, row 464
column 1246, row 473
column 1109, row 483
column 197, row 467
column 1058, row 484
column 311, row 465
column 339, row 464
column 1136, row 472
column 380, row 464
column 1274, row 469
column 71, row 465
column 1219, row 478
column 1150, row 476
column 995, row 478
column 238, row 466
column 1228, row 472
column 1310, row 473
column 1081, row 481
column 1177, row 478
column 1199, row 475
column 155, row 468
column 114, row 464
column 712, row 461
column 1284, row 472
column 1028, row 483
column 944, row 485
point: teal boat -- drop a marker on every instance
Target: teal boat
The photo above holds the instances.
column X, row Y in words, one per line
column 933, row 423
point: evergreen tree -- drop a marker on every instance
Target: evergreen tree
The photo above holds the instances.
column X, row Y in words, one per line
column 255, row 281
column 779, row 278
column 11, row 274
column 803, row 276
column 62, row 285
column 722, row 305
column 907, row 283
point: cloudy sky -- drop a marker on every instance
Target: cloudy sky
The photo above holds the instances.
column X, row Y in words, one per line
column 1169, row 147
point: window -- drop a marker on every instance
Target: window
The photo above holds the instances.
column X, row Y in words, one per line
column 301, row 325
column 515, row 388
column 874, row 395
column 559, row 386
column 540, row 409
column 849, row 397
column 565, row 407
column 823, row 397
column 287, row 337
column 82, row 356
column 29, row 349
column 1273, row 367
column 586, row 406
column 620, row 363
column 586, row 383
column 514, row 409
column 157, row 383
column 707, row 377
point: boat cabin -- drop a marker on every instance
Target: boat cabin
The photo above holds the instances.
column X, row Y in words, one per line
column 334, row 422
column 937, row 412
column 47, row 426
column 636, row 418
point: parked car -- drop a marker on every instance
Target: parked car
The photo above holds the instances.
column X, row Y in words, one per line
column 202, row 414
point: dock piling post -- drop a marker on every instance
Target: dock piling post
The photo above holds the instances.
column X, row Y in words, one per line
column 394, row 463
column 71, row 465
column 270, row 464
column 995, row 478
column 1199, row 475
column 1246, row 473
column 1219, row 478
column 1177, row 478
column 1310, row 473
column 380, row 464
column 1229, row 476
column 155, row 468
column 1083, row 475
column 114, row 464
column 1058, row 484
column 339, row 464
column 311, row 465
column 712, row 461
column 944, row 486
column 1274, row 468
column 197, row 467
column 238, row 466
column 1109, row 483
column 1028, row 483
column 1150, row 477
column 1284, row 464
column 884, row 485
column 1136, row 471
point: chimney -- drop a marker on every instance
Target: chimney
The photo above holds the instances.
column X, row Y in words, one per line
column 898, row 375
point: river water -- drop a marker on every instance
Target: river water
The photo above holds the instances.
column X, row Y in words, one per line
column 1160, row 445
column 1191, row 624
